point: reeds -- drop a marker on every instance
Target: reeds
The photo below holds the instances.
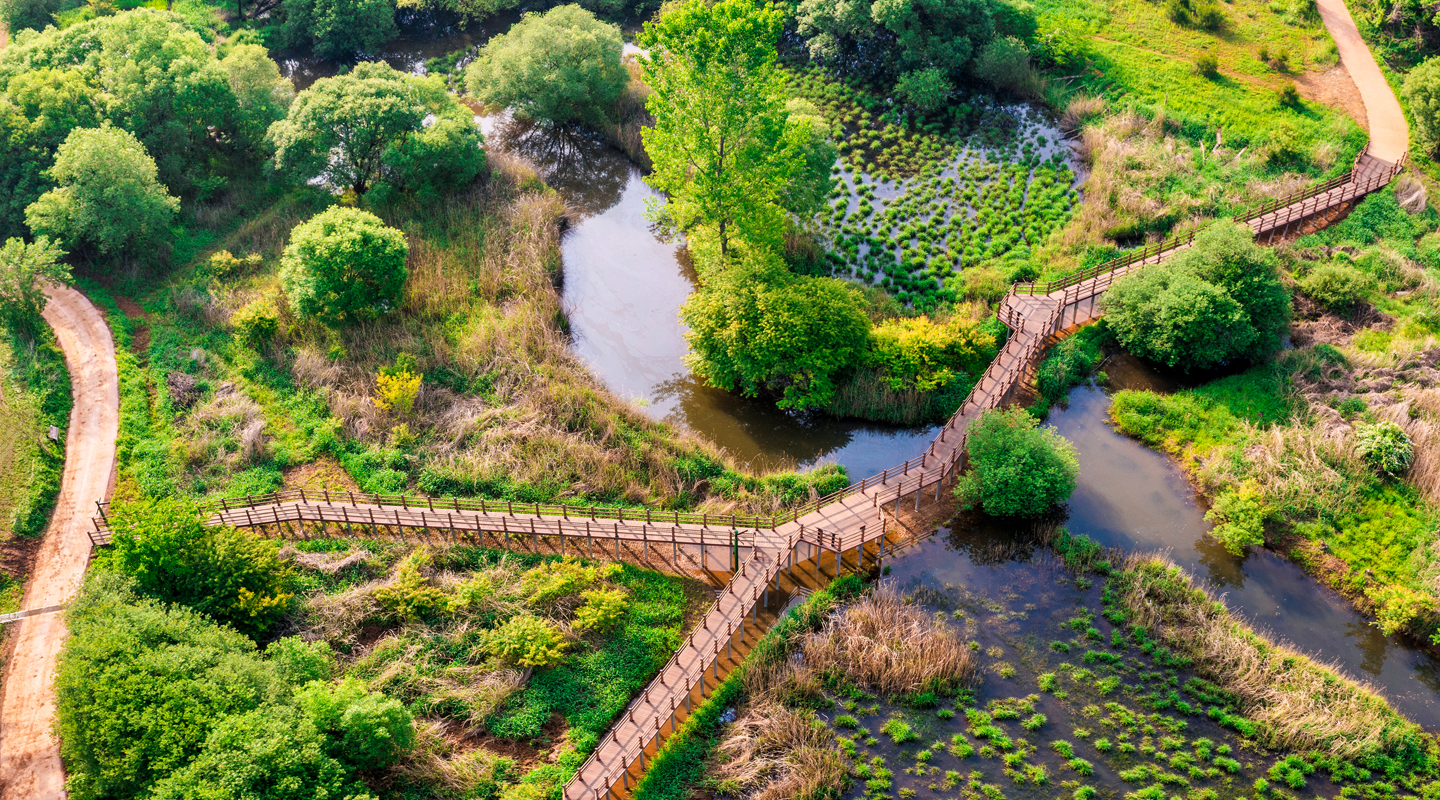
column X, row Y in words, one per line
column 884, row 644
column 1298, row 703
column 775, row 752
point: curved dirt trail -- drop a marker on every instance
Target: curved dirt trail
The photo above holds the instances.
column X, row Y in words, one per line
column 30, row 766
column 1389, row 135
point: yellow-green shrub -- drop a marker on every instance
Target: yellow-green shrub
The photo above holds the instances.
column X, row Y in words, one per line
column 528, row 641
column 921, row 355
column 603, row 608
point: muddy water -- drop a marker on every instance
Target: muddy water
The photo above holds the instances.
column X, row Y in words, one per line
column 1132, row 497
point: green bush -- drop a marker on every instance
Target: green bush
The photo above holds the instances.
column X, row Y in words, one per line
column 300, row 662
column 1239, row 519
column 1385, row 447
column 918, row 354
column 256, row 323
column 1016, row 467
column 231, row 575
column 925, row 89
column 1207, row 65
column 1005, row 64
column 1421, row 92
column 1337, row 286
column 367, row 730
column 528, row 641
column 602, row 610
column 344, row 265
column 561, row 66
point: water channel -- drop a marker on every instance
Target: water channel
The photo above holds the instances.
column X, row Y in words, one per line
column 622, row 290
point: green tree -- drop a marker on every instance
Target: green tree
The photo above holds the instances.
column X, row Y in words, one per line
column 1005, row 63
column 1016, row 467
column 369, row 125
column 234, row 576
column 344, row 265
column 99, row 171
column 262, row 94
column 140, row 686
column 271, row 753
column 37, row 111
column 562, row 66
column 367, row 730
column 1239, row 519
column 723, row 146
column 809, row 182
column 24, row 271
column 19, row 15
column 755, row 326
column 1217, row 301
column 338, row 28
column 897, row 36
column 1421, row 91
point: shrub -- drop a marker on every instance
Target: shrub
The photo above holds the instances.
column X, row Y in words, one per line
column 256, row 323
column 1005, row 63
column 410, row 596
column 1421, row 91
column 1017, row 468
column 528, row 641
column 344, row 265
column 925, row 89
column 561, row 66
column 916, row 354
column 225, row 264
column 603, row 608
column 395, row 390
column 367, row 730
column 231, row 575
column 300, row 662
column 1287, row 95
column 1239, row 519
column 1207, row 65
column 1337, row 286
column 1204, row 14
column 1385, row 447
column 1396, row 607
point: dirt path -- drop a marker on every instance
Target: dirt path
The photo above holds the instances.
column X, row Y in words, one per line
column 1389, row 135
column 30, row 766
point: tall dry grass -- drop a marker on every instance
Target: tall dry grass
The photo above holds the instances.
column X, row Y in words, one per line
column 1302, row 469
column 775, row 752
column 1418, row 413
column 628, row 118
column 884, row 644
column 1300, row 704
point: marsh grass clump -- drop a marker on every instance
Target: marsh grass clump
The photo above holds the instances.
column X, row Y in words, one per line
column 883, row 644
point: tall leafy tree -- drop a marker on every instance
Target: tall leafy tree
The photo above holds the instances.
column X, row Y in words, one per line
column 561, row 66
column 723, row 145
column 109, row 198
column 262, row 94
column 377, row 125
column 24, row 271
column 897, row 36
column 338, row 28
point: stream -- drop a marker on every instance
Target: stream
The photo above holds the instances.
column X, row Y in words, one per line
column 622, row 290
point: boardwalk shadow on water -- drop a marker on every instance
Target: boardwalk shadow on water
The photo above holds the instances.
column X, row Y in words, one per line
column 1134, row 498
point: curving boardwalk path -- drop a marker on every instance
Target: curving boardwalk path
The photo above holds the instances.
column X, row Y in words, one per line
column 30, row 767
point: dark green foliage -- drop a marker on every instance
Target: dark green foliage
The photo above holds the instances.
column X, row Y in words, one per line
column 19, row 15
column 1204, row 14
column 895, row 37
column 229, row 574
column 338, row 28
column 140, row 686
column 1070, row 363
column 1016, row 467
column 1218, row 301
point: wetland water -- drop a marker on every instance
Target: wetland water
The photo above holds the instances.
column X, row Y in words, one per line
column 623, row 287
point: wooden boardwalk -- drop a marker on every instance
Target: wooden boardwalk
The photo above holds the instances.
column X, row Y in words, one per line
column 763, row 554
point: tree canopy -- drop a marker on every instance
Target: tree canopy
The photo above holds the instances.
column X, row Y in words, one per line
column 754, row 326
column 101, row 171
column 1017, row 467
column 562, row 66
column 723, row 145
column 344, row 265
column 24, row 270
column 897, row 36
column 1217, row 301
column 338, row 28
column 1421, row 91
column 374, row 125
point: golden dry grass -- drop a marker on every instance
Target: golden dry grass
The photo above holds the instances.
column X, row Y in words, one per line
column 1418, row 413
column 774, row 752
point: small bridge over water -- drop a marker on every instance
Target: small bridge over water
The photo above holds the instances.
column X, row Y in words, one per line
column 761, row 558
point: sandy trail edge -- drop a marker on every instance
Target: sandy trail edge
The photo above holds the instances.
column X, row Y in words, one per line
column 30, row 765
column 1389, row 134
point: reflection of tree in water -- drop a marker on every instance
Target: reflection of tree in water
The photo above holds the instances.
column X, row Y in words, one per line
column 1371, row 643
column 1221, row 570
column 989, row 541
column 589, row 174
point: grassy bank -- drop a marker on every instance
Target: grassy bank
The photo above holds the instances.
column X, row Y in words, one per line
column 1290, row 432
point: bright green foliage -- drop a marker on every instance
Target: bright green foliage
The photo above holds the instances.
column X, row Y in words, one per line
column 1005, row 63
column 1239, row 518
column 918, row 354
column 262, row 94
column 1339, row 287
column 1385, row 447
column 300, row 662
column 723, row 145
column 554, row 580
column 756, row 327
column 338, row 28
column 925, row 89
column 25, row 269
column 1421, row 92
column 804, row 193
column 1396, row 607
column 344, row 265
column 1069, row 363
column 367, row 127
column 271, row 753
column 255, row 323
column 1217, row 301
column 1017, row 467
column 140, row 686
column 528, row 641
column 902, row 34
column 98, row 171
column 410, row 596
column 561, row 66
column 603, row 608
column 229, row 574
column 367, row 730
